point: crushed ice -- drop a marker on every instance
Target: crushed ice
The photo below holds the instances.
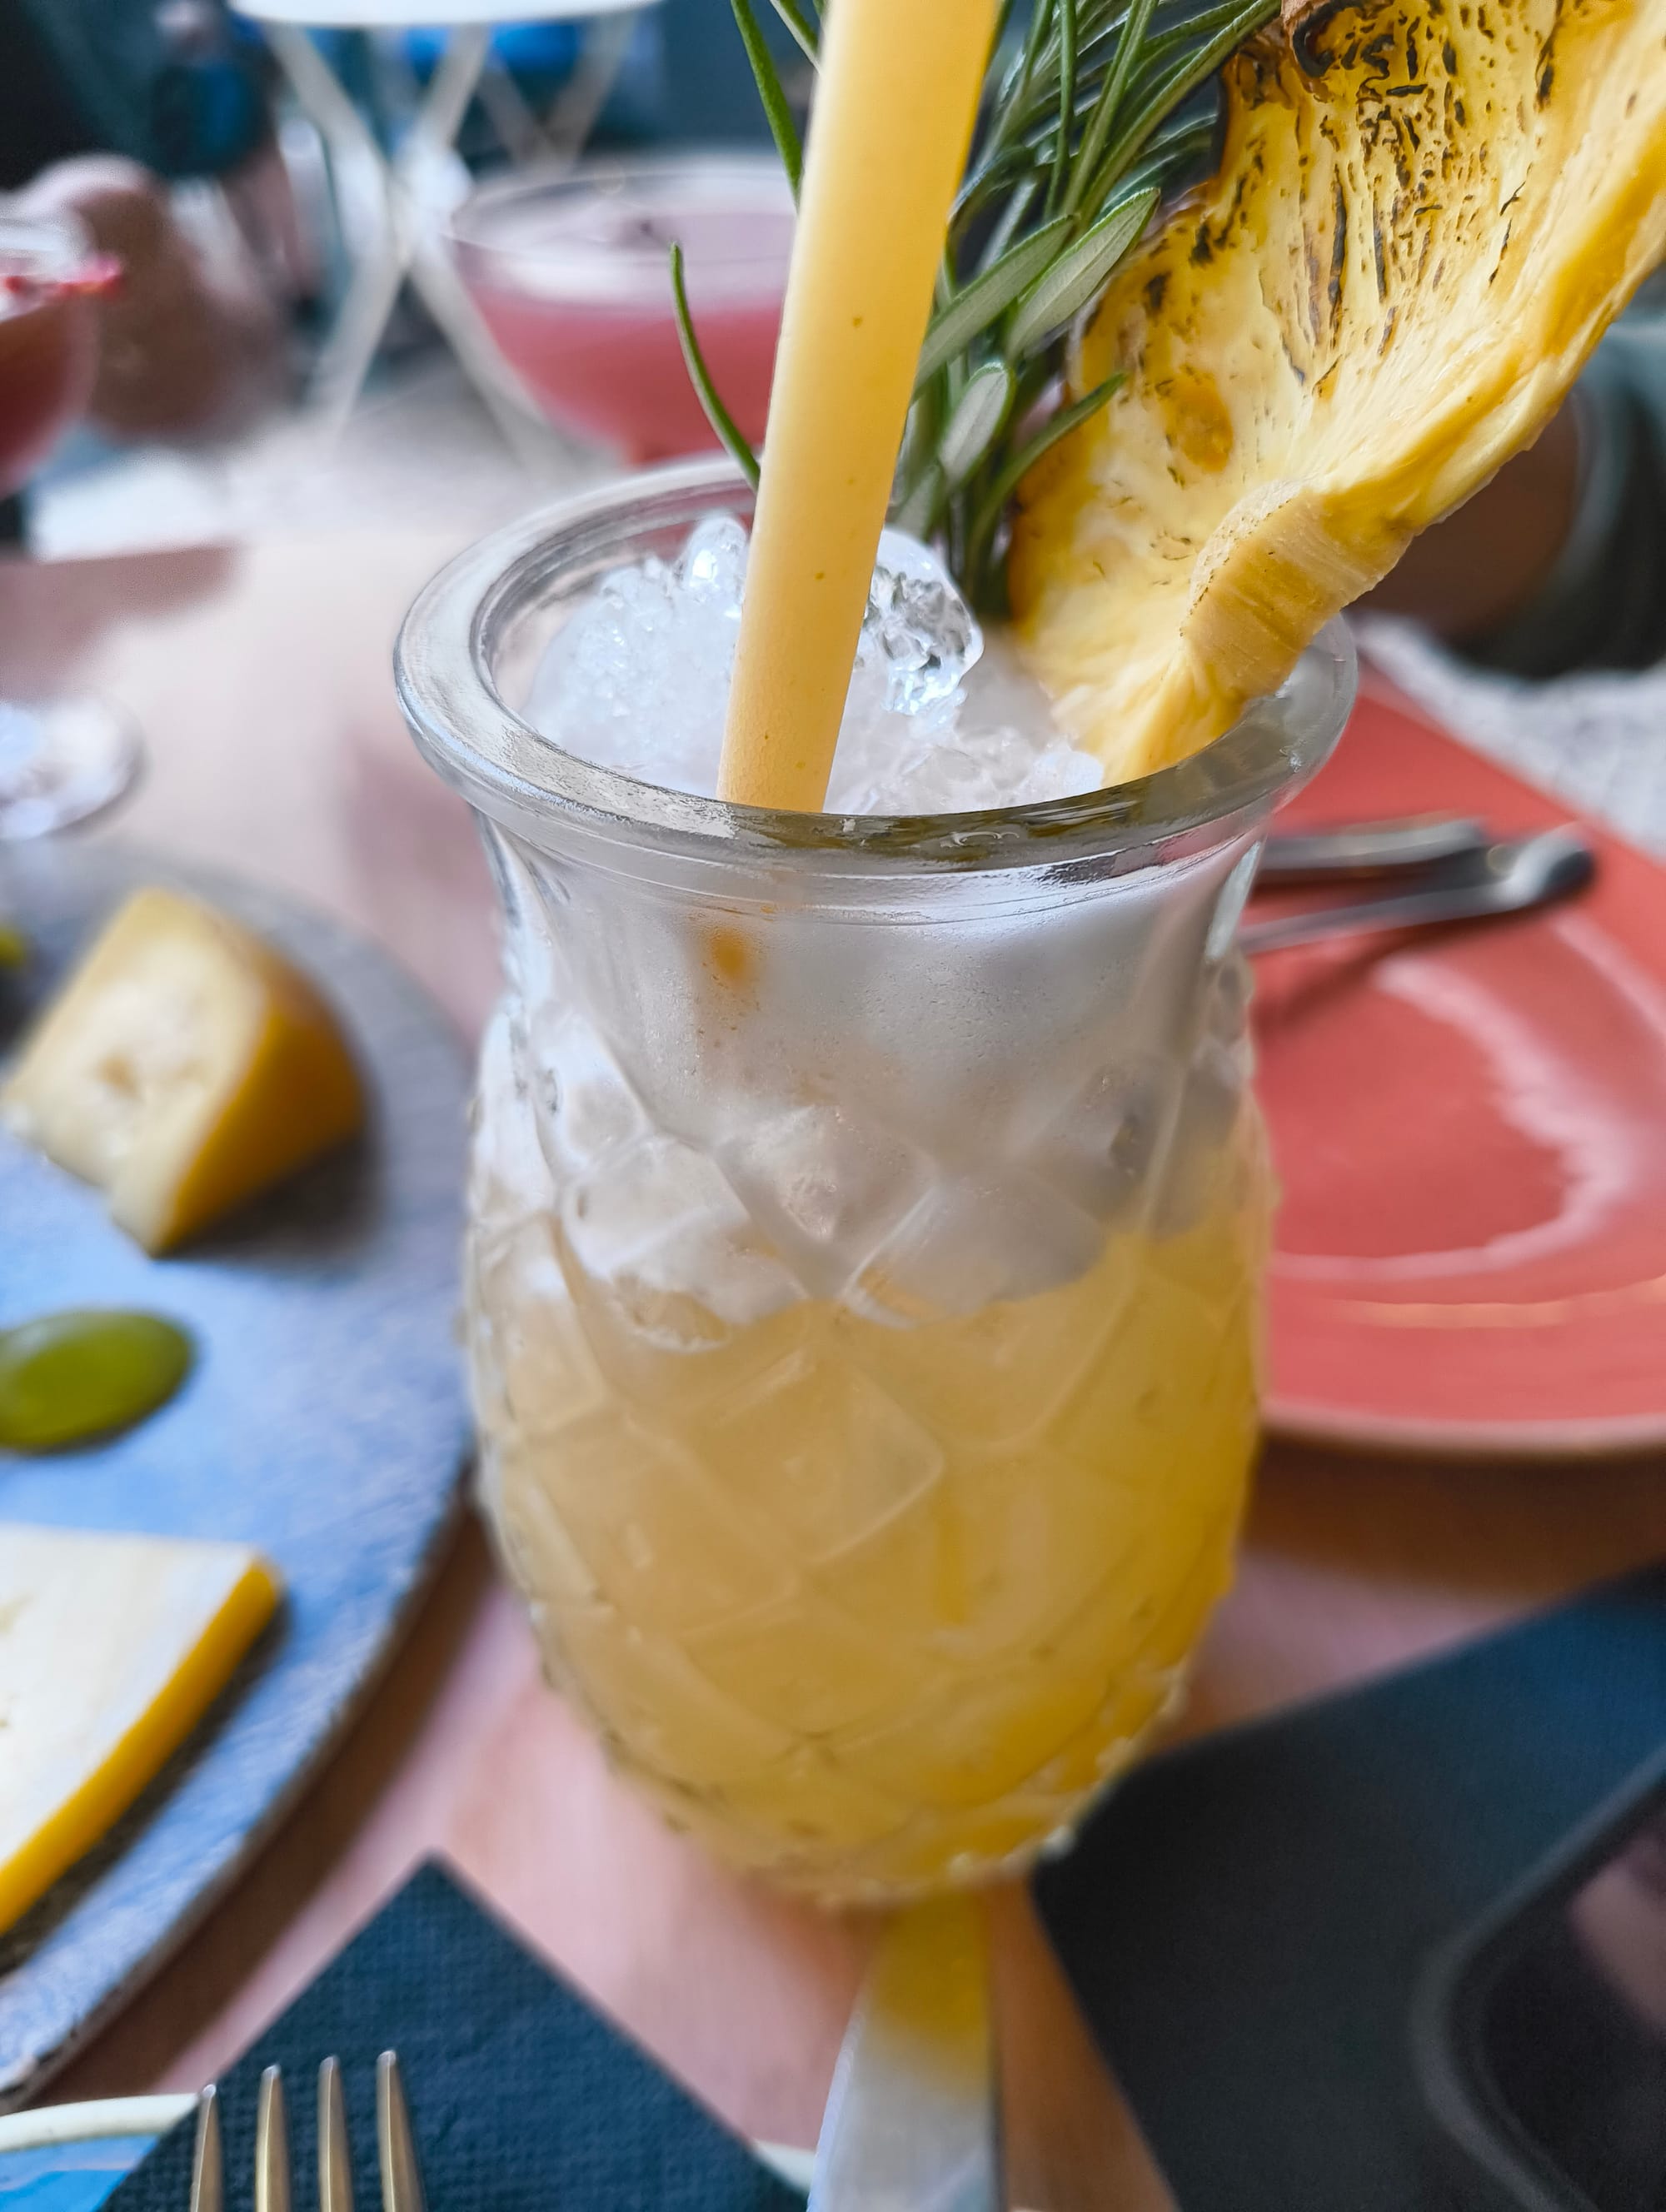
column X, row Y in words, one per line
column 638, row 680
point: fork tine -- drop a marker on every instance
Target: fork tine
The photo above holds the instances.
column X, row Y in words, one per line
column 208, row 2179
column 271, row 2146
column 335, row 2162
column 401, row 2180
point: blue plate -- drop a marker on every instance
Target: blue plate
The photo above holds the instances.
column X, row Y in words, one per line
column 68, row 2176
column 323, row 1421
column 69, row 2158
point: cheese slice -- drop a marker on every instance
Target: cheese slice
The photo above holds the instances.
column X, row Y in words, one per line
column 112, row 1648
column 183, row 1067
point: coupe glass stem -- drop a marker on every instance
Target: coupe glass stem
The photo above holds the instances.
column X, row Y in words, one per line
column 63, row 761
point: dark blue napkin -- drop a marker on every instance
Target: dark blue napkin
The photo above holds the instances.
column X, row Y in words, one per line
column 1245, row 1923
column 1248, row 1920
column 522, row 2098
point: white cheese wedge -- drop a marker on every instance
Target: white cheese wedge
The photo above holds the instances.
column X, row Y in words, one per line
column 112, row 1648
column 184, row 1067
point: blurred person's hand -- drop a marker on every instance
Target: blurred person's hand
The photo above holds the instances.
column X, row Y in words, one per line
column 1483, row 564
column 1559, row 564
column 185, row 350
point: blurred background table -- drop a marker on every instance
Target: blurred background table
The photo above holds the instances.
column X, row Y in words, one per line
column 261, row 676
column 388, row 202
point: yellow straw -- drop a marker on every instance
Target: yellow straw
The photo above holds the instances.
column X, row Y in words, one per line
column 893, row 118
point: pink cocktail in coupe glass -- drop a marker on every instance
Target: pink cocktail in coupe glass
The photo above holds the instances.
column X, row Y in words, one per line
column 570, row 273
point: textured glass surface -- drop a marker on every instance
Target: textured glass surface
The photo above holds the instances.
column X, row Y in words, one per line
column 866, row 1231
column 867, row 1427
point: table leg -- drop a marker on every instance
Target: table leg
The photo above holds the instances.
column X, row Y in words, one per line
column 446, row 299
column 388, row 197
column 573, row 116
column 439, row 118
column 416, row 169
column 362, row 184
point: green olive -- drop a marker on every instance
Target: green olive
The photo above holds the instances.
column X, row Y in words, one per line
column 68, row 1376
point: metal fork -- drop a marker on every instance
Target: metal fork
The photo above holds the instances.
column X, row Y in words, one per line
column 395, row 2151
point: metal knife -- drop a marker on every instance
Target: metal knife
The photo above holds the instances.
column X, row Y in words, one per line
column 1368, row 848
column 913, row 2119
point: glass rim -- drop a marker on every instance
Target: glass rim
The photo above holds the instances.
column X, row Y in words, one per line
column 479, row 744
column 58, row 241
column 465, row 227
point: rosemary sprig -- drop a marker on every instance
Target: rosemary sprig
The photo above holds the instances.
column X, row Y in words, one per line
column 728, row 430
column 1059, row 186
column 1016, row 465
column 776, row 107
column 1082, row 141
column 1090, row 116
column 1135, row 26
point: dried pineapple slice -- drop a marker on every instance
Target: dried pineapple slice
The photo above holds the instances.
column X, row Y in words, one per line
column 1425, row 214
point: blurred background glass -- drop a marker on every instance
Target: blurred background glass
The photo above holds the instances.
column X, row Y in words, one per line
column 60, row 759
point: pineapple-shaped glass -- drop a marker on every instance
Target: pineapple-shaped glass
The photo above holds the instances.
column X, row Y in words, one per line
column 867, row 1227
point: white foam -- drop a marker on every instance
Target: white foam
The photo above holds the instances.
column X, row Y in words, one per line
column 638, row 680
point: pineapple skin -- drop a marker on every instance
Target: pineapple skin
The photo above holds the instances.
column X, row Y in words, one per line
column 1426, row 215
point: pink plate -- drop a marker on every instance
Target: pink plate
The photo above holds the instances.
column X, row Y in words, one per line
column 1469, row 1128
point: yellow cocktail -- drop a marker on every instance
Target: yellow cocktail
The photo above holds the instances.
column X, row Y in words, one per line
column 866, row 1229
column 869, row 1608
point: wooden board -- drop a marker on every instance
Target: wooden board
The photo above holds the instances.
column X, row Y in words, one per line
column 324, row 1421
